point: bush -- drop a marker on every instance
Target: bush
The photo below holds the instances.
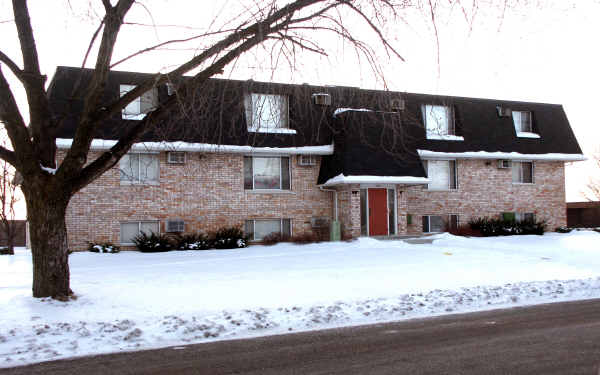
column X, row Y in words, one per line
column 229, row 238
column 193, row 241
column 274, row 238
column 465, row 231
column 500, row 227
column 104, row 247
column 152, row 243
column 305, row 238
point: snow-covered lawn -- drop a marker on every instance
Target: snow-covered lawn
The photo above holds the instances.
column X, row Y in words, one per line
column 131, row 300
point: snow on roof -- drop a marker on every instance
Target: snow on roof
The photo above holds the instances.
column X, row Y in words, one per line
column 102, row 144
column 527, row 135
column 445, row 137
column 342, row 110
column 341, row 180
column 425, row 154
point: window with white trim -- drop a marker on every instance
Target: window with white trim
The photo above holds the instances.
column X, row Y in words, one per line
column 131, row 229
column 522, row 172
column 139, row 168
column 439, row 120
column 522, row 121
column 266, row 112
column 137, row 109
column 266, row 173
column 257, row 229
column 433, row 224
column 442, row 174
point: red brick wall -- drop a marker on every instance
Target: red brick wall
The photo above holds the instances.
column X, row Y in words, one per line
column 207, row 192
column 485, row 190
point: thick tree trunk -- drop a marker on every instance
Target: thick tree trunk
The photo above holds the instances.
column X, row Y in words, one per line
column 49, row 246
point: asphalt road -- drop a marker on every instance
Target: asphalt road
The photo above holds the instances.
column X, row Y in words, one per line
column 561, row 338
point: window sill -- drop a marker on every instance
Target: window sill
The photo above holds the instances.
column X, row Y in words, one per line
column 267, row 191
column 445, row 137
column 442, row 190
column 274, row 131
column 523, row 183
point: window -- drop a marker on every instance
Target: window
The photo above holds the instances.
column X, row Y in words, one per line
column 453, row 222
column 522, row 121
column 176, row 157
column 391, row 211
column 139, row 169
column 256, row 230
column 433, row 224
column 175, row 226
column 137, row 109
column 522, row 172
column 132, row 229
column 518, row 216
column 307, row 160
column 266, row 173
column 442, row 174
column 266, row 112
column 439, row 120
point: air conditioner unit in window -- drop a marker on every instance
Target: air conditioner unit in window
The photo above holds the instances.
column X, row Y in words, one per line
column 319, row 222
column 397, row 104
column 322, row 99
column 170, row 88
column 176, row 157
column 503, row 164
column 504, row 112
column 307, row 160
column 175, row 226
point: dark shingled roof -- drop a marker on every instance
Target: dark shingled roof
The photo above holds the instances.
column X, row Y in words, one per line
column 378, row 142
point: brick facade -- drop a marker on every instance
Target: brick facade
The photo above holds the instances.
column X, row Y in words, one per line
column 208, row 192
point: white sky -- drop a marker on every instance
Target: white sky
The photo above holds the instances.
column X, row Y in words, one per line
column 543, row 51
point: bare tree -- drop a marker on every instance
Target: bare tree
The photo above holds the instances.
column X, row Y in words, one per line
column 593, row 185
column 8, row 198
column 48, row 188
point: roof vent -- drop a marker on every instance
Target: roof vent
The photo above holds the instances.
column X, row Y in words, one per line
column 504, row 112
column 504, row 164
column 322, row 99
column 397, row 104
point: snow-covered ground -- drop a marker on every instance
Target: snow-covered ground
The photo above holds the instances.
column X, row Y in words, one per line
column 132, row 301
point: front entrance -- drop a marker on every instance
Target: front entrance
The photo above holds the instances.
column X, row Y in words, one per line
column 378, row 212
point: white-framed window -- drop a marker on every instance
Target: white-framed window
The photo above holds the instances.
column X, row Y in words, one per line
column 267, row 173
column 267, row 113
column 257, row 229
column 131, row 229
column 137, row 109
column 433, row 224
column 139, row 168
column 522, row 172
column 439, row 120
column 442, row 174
column 307, row 160
column 176, row 157
column 522, row 121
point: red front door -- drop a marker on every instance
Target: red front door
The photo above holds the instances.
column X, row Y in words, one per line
column 378, row 213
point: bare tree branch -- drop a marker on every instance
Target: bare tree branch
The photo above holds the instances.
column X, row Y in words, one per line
column 12, row 66
column 15, row 126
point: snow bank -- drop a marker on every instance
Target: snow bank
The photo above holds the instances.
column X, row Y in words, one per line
column 132, row 301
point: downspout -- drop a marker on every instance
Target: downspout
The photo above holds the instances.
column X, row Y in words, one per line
column 335, row 201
